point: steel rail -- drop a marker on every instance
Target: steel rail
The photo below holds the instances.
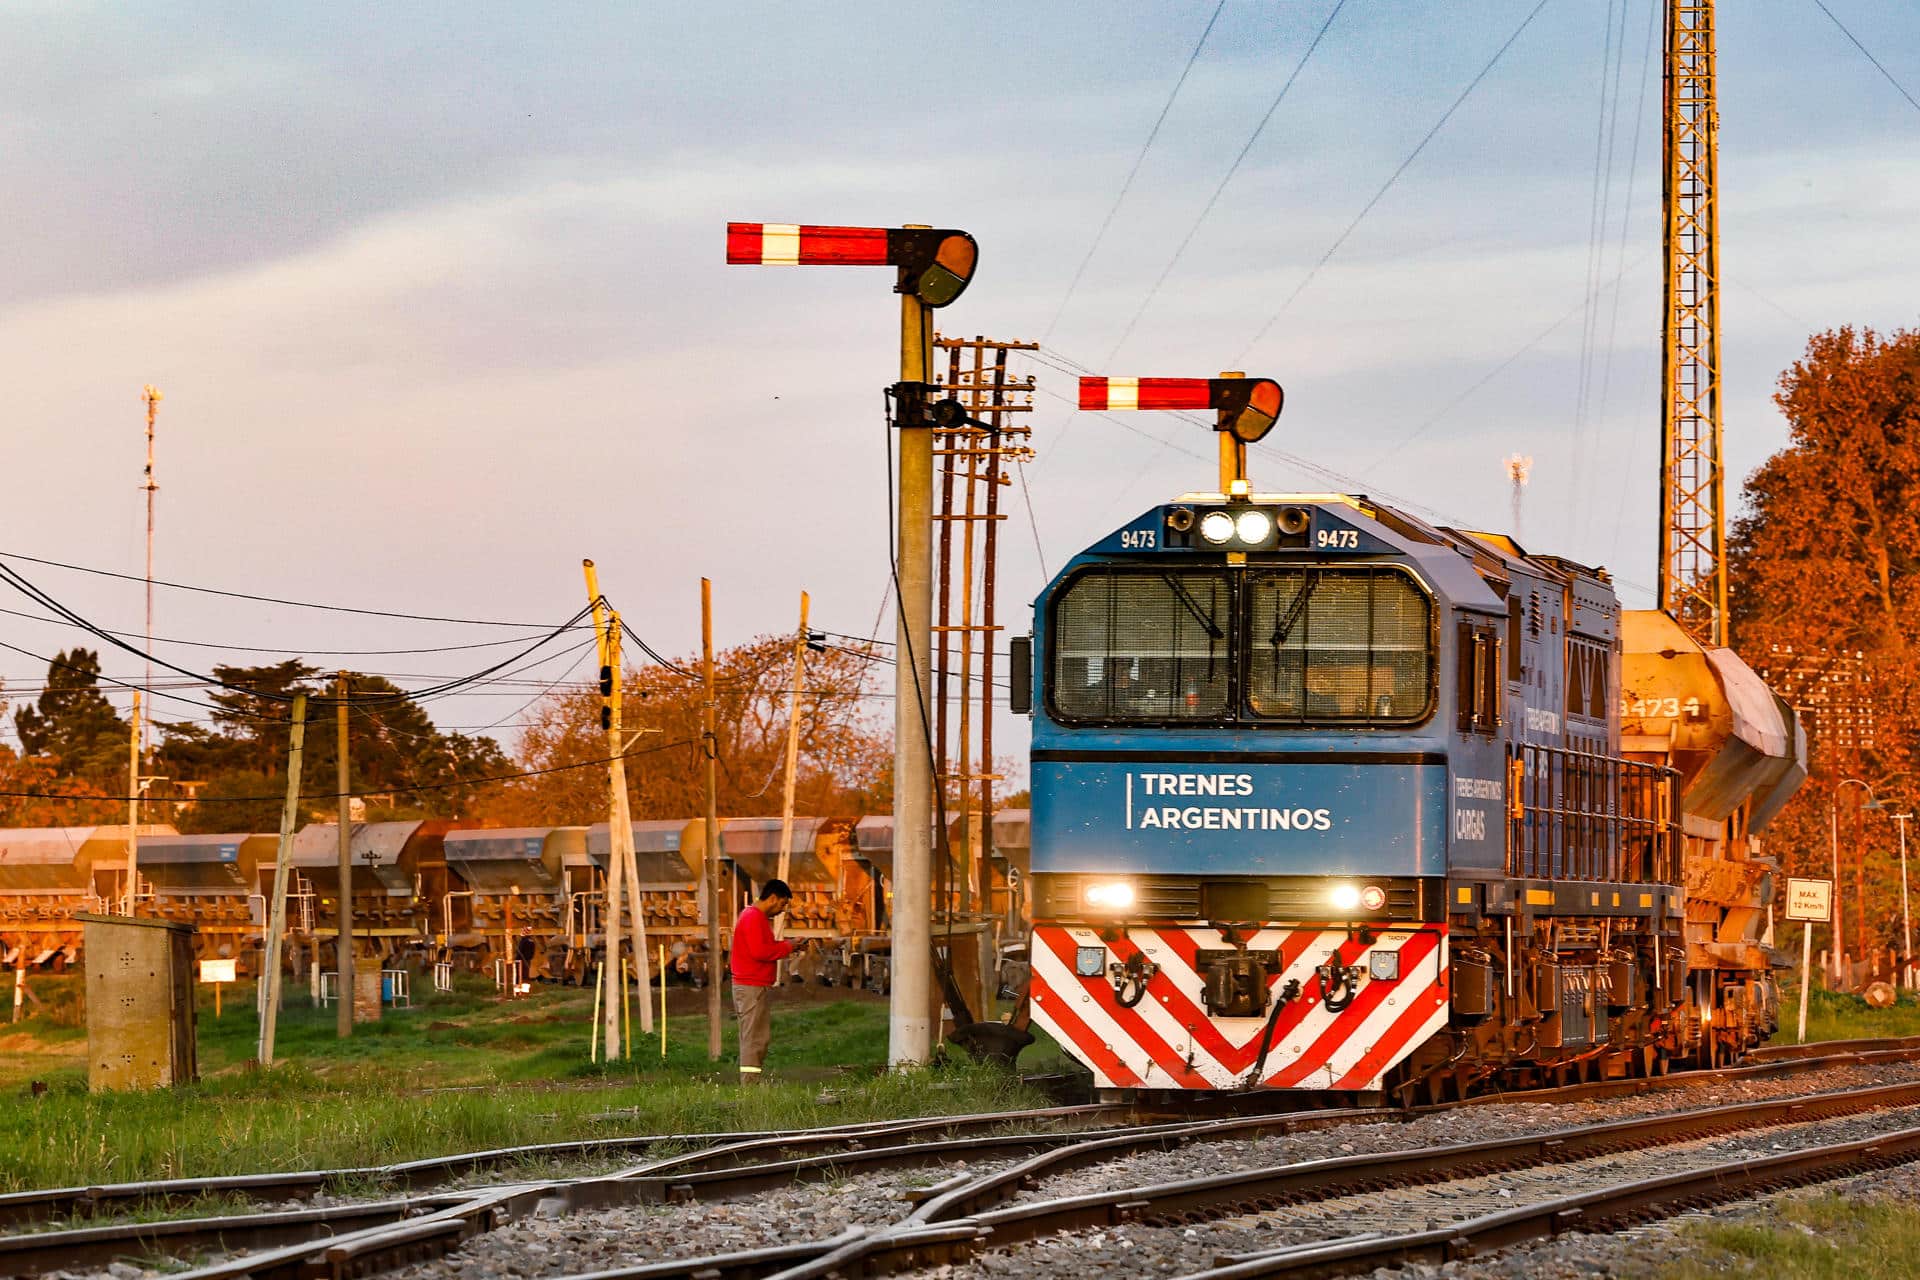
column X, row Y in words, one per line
column 1602, row 1209
column 954, row 1224
column 21, row 1207
column 426, row 1226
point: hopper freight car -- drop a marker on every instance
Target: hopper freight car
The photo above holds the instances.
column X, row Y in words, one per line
column 399, row 875
column 208, row 881
column 48, row 875
column 505, row 880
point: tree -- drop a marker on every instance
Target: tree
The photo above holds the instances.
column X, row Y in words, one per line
column 393, row 749
column 72, row 724
column 846, row 760
column 1826, row 562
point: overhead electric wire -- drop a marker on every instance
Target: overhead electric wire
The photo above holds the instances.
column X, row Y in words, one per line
column 244, row 595
column 1496, row 371
column 1877, row 64
column 298, row 652
column 1220, row 189
column 1392, row 178
column 1597, row 210
column 454, row 784
column 1132, row 173
column 19, row 582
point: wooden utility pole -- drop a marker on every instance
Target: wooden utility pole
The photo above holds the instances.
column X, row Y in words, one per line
column 133, row 812
column 616, row 874
column 277, row 914
column 620, row 852
column 344, row 942
column 793, row 743
column 711, row 744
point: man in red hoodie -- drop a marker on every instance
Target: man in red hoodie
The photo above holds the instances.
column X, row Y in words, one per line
column 755, row 967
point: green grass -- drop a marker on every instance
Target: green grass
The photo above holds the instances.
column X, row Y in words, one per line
column 1836, row 1015
column 463, row 1071
column 1824, row 1237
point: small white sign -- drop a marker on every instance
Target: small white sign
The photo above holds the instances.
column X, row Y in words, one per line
column 1809, row 900
column 219, row 970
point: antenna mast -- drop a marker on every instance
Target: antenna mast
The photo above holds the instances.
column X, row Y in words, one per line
column 152, row 396
column 1518, row 465
column 1693, row 525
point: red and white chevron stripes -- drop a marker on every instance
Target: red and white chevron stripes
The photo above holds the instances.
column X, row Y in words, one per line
column 1169, row 1041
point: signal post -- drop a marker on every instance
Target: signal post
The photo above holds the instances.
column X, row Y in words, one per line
column 933, row 268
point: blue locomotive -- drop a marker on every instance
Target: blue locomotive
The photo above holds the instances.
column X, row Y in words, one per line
column 1326, row 797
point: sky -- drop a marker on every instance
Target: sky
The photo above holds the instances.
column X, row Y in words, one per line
column 437, row 300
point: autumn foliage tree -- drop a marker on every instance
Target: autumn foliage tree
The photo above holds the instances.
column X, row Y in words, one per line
column 846, row 758
column 1825, row 562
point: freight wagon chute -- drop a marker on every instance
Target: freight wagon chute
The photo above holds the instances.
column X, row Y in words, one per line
column 50, row 874
column 205, row 880
column 669, row 855
column 397, row 868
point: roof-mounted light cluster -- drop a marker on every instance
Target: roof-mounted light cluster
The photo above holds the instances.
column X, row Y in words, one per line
column 1239, row 528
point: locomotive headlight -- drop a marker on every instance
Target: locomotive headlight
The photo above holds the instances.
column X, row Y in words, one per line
column 1111, row 895
column 1345, row 897
column 1253, row 526
column 1216, row 526
column 1373, row 897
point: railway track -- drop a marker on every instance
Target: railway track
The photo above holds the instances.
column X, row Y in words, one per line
column 973, row 1212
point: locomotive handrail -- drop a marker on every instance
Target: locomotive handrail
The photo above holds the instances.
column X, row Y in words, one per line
column 1581, row 815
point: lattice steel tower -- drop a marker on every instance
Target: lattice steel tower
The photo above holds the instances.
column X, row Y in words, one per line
column 1693, row 524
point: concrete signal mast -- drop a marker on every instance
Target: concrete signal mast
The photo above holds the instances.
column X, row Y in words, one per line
column 1693, row 524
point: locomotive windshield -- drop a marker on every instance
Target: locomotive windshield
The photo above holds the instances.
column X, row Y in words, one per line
column 1337, row 644
column 1145, row 646
column 1311, row 645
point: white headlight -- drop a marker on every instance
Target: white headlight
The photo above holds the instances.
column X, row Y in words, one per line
column 1345, row 897
column 1253, row 526
column 1116, row 895
column 1216, row 526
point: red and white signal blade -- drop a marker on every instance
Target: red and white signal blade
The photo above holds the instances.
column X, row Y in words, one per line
column 1146, row 393
column 788, row 244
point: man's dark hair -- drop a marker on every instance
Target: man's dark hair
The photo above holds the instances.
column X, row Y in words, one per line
column 775, row 889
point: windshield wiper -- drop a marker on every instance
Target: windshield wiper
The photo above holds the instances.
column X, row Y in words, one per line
column 1283, row 627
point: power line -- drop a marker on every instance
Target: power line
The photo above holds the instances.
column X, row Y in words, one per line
column 301, row 652
column 1132, row 173
column 1386, row 186
column 308, row 797
column 1877, row 64
column 20, row 583
column 243, row 595
column 1232, row 169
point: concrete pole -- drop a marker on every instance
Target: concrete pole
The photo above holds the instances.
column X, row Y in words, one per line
column 277, row 914
column 616, row 878
column 711, row 743
column 910, row 1021
column 343, row 943
column 133, row 812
